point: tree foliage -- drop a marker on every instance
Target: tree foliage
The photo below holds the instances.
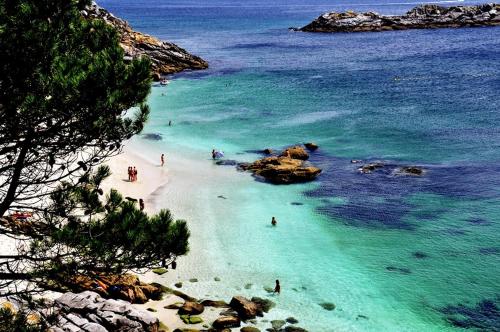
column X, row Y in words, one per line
column 65, row 92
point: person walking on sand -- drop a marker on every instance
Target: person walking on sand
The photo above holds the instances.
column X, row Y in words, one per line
column 134, row 174
column 141, row 204
column 277, row 288
column 214, row 155
column 273, row 221
column 162, row 159
column 129, row 174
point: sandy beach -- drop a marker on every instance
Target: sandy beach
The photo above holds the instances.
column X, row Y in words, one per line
column 151, row 178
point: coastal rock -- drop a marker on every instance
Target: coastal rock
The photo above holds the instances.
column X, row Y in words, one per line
column 421, row 17
column 411, row 170
column 91, row 312
column 166, row 58
column 249, row 329
column 267, row 151
column 291, row 328
column 328, row 306
column 295, row 152
column 246, row 309
column 368, row 168
column 277, row 324
column 226, row 322
column 282, row 170
column 126, row 287
column 191, row 308
column 311, row 146
column 265, row 304
column 215, row 304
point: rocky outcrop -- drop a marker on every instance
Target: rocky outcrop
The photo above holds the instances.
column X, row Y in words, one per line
column 420, row 17
column 311, row 146
column 126, row 287
column 295, row 152
column 166, row 58
column 245, row 308
column 287, row 167
column 88, row 311
column 282, row 170
column 392, row 169
column 225, row 322
column 191, row 308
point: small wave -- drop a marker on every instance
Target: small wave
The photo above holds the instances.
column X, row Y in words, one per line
column 308, row 118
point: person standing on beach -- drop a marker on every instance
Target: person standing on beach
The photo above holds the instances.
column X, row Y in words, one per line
column 277, row 288
column 134, row 174
column 162, row 159
column 129, row 174
column 213, row 154
column 141, row 204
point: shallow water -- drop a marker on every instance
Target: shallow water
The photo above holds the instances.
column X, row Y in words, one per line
column 394, row 253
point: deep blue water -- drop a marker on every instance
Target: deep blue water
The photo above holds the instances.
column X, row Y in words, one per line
column 419, row 97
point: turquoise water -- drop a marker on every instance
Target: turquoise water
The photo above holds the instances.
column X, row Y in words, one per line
column 393, row 253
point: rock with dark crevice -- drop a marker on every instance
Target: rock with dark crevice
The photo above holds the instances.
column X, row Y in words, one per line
column 427, row 16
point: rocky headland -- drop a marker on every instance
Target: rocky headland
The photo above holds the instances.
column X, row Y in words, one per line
column 166, row 58
column 420, row 17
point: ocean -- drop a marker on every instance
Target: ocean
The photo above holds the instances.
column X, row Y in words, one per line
column 391, row 252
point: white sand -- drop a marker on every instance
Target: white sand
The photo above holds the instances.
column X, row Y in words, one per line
column 150, row 176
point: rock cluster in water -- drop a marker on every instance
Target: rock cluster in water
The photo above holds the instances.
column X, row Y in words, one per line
column 167, row 58
column 420, row 17
column 288, row 167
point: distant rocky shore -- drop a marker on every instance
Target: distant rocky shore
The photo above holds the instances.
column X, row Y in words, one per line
column 167, row 58
column 420, row 17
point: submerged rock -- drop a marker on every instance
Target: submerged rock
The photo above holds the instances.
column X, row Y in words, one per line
column 328, row 306
column 311, row 146
column 402, row 270
column 166, row 58
column 152, row 136
column 368, row 168
column 420, row 17
column 265, row 304
column 411, row 170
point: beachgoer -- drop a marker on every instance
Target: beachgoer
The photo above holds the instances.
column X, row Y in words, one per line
column 141, row 204
column 162, row 159
column 273, row 221
column 129, row 174
column 174, row 265
column 170, row 123
column 214, row 155
column 277, row 288
column 135, row 174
